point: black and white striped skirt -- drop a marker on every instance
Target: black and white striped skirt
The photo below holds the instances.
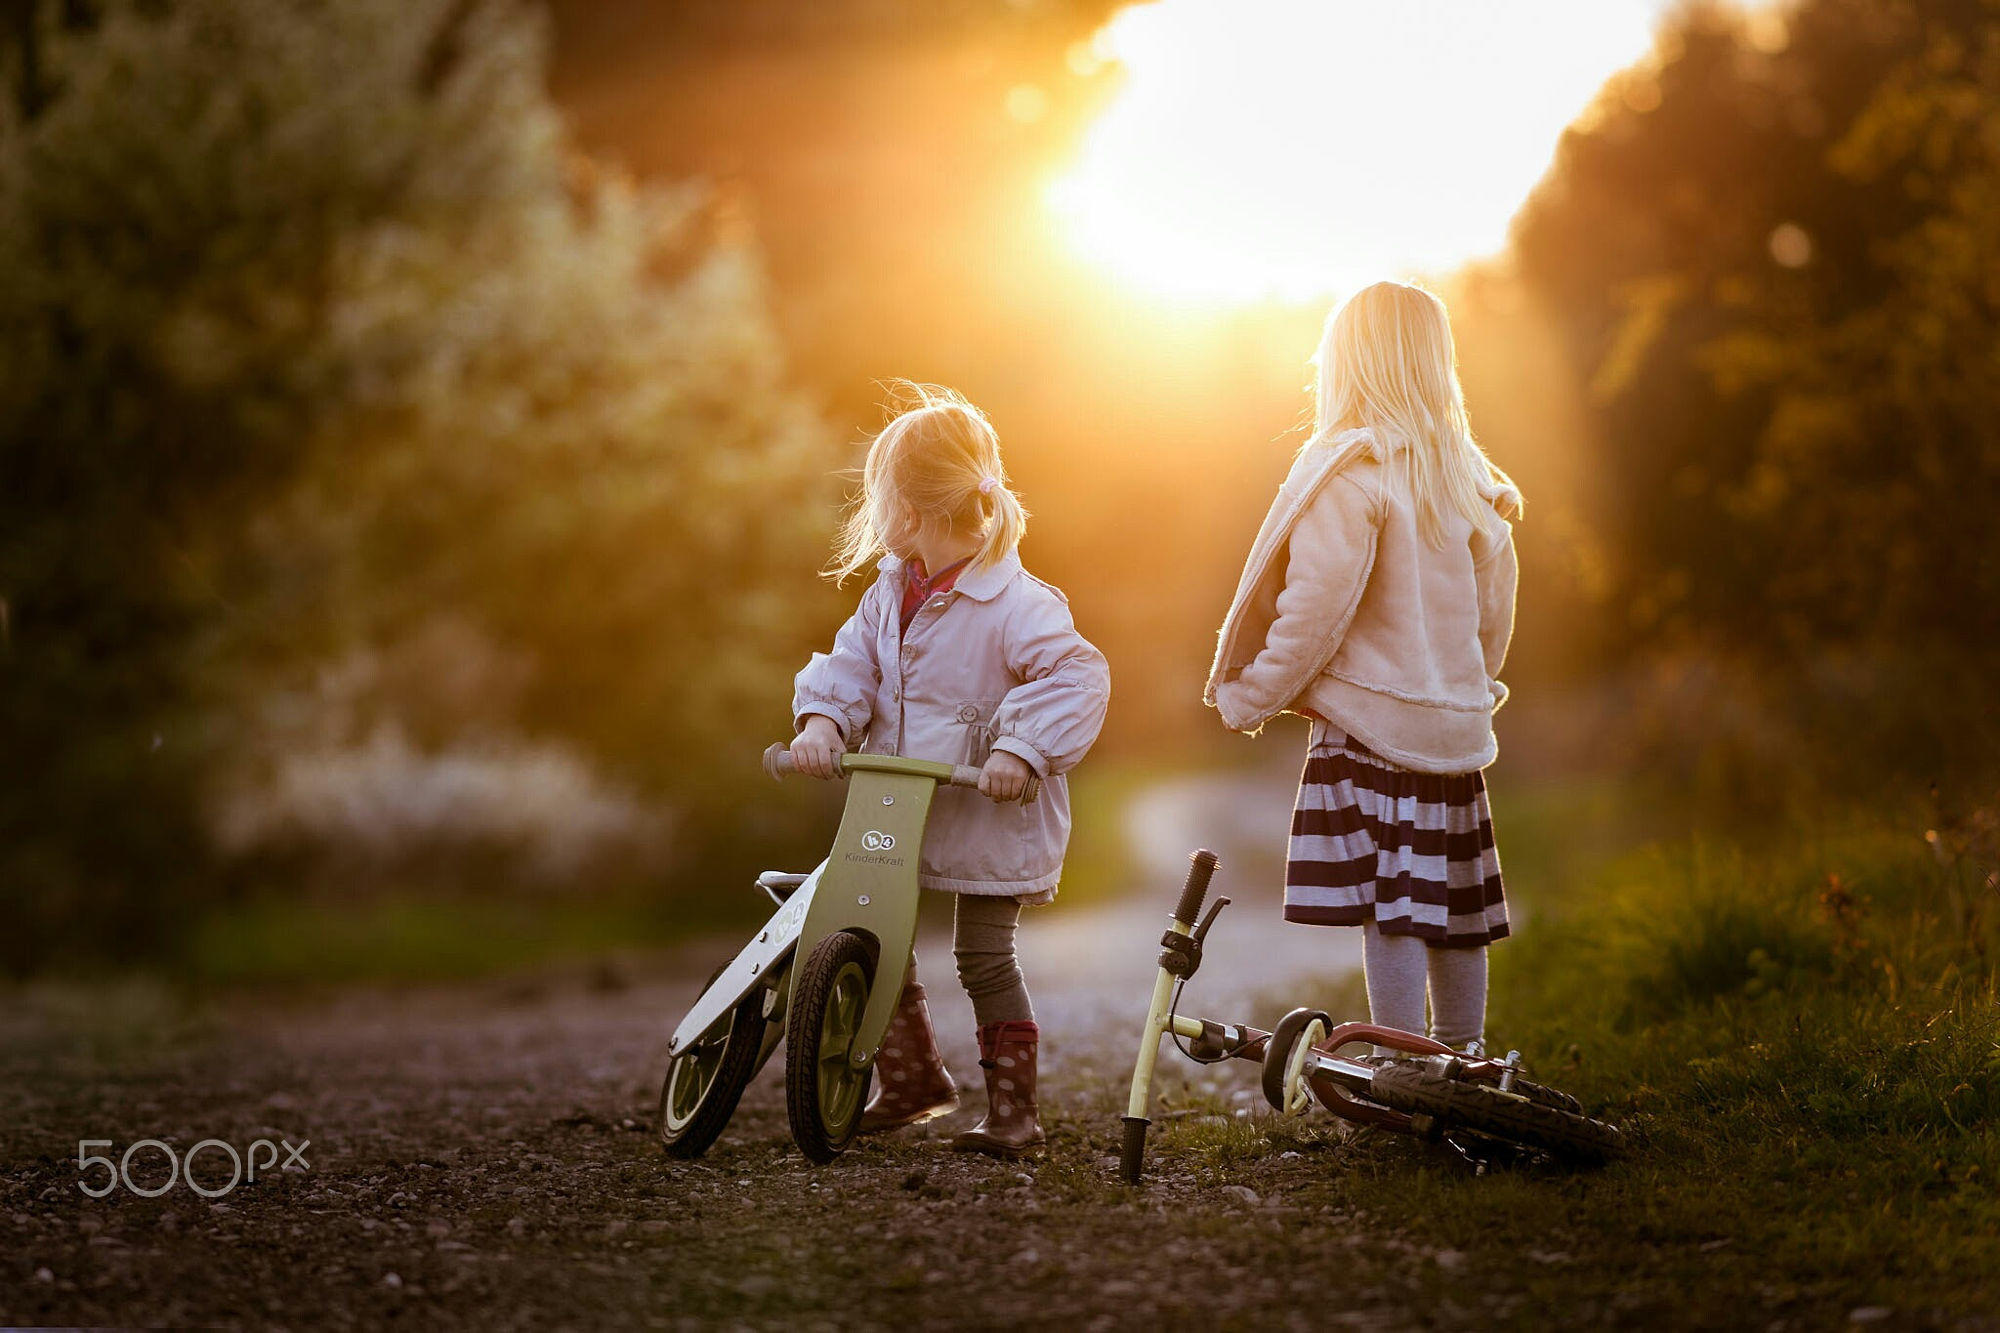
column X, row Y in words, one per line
column 1412, row 852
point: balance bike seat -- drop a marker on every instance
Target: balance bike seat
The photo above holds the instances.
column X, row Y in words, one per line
column 768, row 952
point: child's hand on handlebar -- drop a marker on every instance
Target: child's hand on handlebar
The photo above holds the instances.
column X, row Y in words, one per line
column 1005, row 777
column 816, row 750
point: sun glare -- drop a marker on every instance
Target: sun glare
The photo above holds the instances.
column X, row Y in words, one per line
column 1299, row 148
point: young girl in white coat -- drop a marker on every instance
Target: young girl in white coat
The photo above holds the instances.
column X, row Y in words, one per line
column 956, row 653
column 1378, row 602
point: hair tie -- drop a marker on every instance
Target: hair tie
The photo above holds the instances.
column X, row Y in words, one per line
column 987, row 485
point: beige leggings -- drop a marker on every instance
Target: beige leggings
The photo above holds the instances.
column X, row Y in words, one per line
column 983, row 943
column 1399, row 968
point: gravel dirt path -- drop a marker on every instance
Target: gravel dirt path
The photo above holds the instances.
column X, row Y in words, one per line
column 481, row 1156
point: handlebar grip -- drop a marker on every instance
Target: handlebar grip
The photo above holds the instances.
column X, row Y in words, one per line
column 966, row 775
column 778, row 763
column 1202, row 867
column 777, row 760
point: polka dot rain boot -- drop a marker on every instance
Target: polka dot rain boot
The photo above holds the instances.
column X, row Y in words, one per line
column 1010, row 1129
column 911, row 1083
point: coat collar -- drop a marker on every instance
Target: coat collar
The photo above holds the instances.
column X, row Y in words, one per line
column 982, row 583
column 1315, row 465
column 1495, row 487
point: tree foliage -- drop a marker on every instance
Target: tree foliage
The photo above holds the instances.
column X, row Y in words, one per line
column 338, row 398
column 1774, row 250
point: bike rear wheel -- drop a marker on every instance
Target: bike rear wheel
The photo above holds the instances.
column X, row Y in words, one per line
column 1415, row 1089
column 704, row 1082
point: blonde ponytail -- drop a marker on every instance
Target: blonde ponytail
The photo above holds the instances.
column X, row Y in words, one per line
column 937, row 463
column 1006, row 523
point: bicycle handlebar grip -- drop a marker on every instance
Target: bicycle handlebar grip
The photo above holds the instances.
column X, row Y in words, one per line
column 1202, row 868
column 966, row 775
column 777, row 760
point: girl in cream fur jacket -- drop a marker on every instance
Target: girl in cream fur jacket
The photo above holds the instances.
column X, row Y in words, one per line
column 1378, row 601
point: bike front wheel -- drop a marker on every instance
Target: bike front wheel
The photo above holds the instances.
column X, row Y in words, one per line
column 824, row 1089
column 1418, row 1090
column 1285, row 1054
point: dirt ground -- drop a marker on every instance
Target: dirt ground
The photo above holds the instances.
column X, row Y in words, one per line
column 482, row 1157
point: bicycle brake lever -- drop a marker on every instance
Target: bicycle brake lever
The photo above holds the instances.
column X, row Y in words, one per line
column 1180, row 955
column 1208, row 919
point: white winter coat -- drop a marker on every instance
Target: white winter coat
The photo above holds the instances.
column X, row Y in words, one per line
column 1345, row 611
column 993, row 664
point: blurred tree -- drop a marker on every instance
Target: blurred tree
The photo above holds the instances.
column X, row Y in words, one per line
column 1775, row 250
column 316, row 340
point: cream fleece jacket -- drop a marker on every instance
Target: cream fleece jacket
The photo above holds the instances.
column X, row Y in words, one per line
column 1345, row 610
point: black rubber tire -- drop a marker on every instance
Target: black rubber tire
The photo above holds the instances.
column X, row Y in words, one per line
column 697, row 1132
column 1542, row 1093
column 1415, row 1089
column 1547, row 1096
column 1278, row 1051
column 821, row 1131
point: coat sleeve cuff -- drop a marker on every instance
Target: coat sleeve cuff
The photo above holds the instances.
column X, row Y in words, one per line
column 1234, row 715
column 1025, row 752
column 830, row 714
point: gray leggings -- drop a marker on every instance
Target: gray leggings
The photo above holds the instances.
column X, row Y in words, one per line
column 1397, row 968
column 983, row 943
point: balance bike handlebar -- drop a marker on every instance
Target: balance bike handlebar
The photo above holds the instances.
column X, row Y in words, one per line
column 1201, row 869
column 1180, row 955
column 778, row 763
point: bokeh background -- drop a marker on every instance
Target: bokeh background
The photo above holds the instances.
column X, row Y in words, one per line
column 421, row 420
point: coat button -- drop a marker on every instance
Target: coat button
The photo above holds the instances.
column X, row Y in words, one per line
column 967, row 713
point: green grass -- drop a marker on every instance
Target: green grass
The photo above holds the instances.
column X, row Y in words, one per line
column 1802, row 1041
column 277, row 940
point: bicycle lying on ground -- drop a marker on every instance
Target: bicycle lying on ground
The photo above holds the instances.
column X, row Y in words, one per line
column 1427, row 1089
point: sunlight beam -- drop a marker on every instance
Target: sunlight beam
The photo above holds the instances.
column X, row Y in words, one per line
column 1299, row 148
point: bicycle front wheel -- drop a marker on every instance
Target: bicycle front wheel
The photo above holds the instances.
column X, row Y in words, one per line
column 1415, row 1089
column 824, row 1090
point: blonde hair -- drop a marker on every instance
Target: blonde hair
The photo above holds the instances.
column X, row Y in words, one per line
column 1387, row 364
column 937, row 463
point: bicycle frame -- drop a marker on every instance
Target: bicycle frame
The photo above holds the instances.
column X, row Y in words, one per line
column 1339, row 1084
column 868, row 883
column 839, row 944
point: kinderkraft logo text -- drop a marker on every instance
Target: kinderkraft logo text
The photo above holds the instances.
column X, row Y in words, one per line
column 875, row 840
column 120, row 1172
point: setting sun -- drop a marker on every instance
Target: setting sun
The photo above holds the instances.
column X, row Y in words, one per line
column 1298, row 148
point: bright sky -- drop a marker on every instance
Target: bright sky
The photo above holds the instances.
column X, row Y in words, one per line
column 1301, row 148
